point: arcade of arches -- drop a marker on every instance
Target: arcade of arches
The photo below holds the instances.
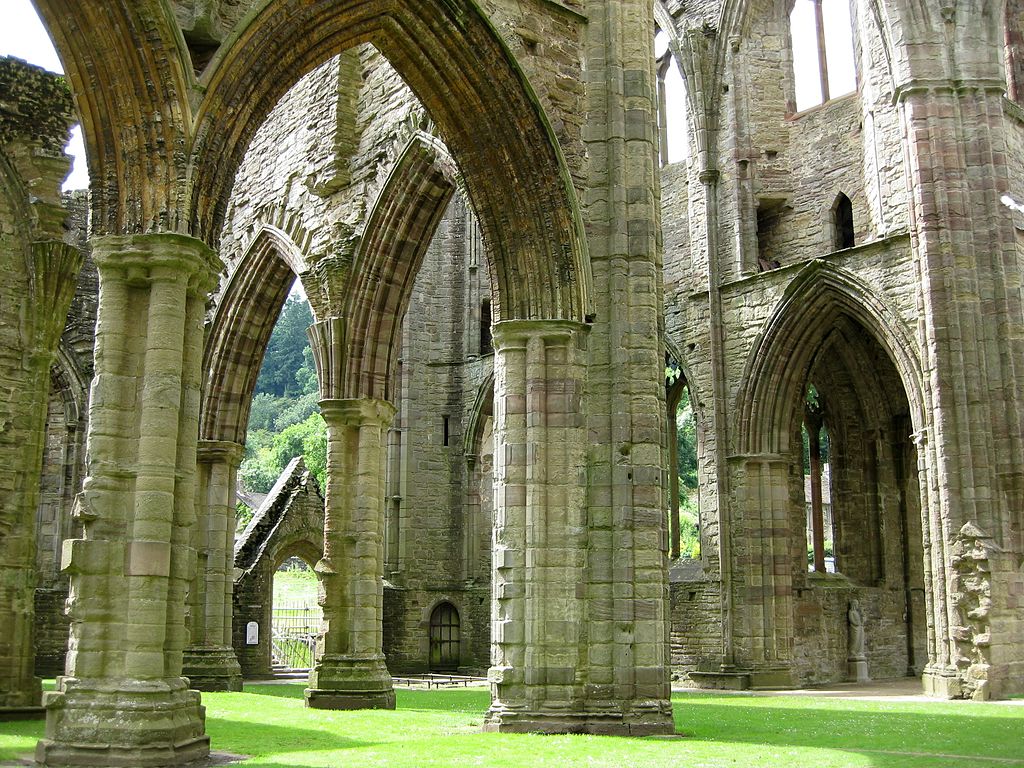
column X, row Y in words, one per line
column 499, row 268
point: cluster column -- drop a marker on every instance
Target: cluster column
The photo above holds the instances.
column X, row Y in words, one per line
column 539, row 673
column 122, row 701
column 350, row 672
column 210, row 662
column 971, row 331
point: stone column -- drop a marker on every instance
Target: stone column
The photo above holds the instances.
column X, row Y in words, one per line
column 26, row 377
column 762, row 581
column 543, row 677
column 971, row 333
column 349, row 672
column 210, row 662
column 122, row 701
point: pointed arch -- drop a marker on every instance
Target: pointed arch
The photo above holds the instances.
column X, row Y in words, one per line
column 131, row 78
column 398, row 232
column 783, row 354
column 480, row 100
column 483, row 408
column 240, row 332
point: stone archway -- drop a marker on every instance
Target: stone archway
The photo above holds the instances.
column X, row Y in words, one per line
column 832, row 332
column 165, row 152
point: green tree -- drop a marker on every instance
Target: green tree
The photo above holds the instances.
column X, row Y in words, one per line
column 686, row 444
column 286, row 350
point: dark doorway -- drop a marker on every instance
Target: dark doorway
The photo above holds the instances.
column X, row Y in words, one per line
column 444, row 638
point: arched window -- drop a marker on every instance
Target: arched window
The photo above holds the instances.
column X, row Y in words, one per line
column 821, row 34
column 821, row 557
column 842, row 223
column 444, row 638
column 673, row 129
column 684, row 493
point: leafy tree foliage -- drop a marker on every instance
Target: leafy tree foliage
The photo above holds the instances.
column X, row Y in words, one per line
column 285, row 421
column 686, row 443
column 686, row 461
column 286, row 350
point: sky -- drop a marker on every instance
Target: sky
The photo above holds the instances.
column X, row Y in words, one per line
column 22, row 34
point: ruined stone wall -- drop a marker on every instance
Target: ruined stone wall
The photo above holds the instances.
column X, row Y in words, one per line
column 545, row 36
column 780, row 174
column 39, row 264
column 64, row 453
column 290, row 523
column 320, row 159
column 442, row 371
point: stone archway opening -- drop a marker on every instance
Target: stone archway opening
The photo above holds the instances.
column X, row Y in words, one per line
column 296, row 616
column 834, row 357
column 445, row 638
column 855, row 520
column 684, row 507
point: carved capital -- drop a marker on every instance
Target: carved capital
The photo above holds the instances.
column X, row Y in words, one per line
column 158, row 257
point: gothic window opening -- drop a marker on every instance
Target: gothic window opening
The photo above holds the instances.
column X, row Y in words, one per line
column 821, row 34
column 817, row 485
column 684, row 520
column 842, row 220
column 673, row 130
column 769, row 214
column 444, row 638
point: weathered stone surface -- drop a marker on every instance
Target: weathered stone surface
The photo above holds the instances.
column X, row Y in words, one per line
column 37, row 272
column 498, row 168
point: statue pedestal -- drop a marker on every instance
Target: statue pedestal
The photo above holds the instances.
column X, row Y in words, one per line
column 857, row 670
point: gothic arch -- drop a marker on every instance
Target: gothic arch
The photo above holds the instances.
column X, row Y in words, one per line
column 131, row 78
column 783, row 354
column 398, row 232
column 516, row 177
column 483, row 407
column 241, row 329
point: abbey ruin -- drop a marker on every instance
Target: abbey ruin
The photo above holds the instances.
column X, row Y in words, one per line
column 512, row 289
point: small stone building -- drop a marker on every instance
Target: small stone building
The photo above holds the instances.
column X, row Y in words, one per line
column 289, row 523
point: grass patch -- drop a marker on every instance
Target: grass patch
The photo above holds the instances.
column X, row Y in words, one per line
column 442, row 728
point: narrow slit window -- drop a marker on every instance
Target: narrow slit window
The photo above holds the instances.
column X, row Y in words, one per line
column 486, row 343
column 842, row 218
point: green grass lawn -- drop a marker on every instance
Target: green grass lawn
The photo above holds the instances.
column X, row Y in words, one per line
column 442, row 728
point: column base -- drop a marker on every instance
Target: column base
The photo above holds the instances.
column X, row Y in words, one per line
column 21, row 696
column 212, row 669
column 721, row 681
column 655, row 720
column 130, row 723
column 350, row 682
column 857, row 670
column 942, row 682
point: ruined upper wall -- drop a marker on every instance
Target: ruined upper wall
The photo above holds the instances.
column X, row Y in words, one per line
column 317, row 164
column 781, row 171
column 34, row 104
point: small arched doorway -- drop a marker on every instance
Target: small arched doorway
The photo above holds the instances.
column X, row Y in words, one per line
column 295, row 616
column 444, row 638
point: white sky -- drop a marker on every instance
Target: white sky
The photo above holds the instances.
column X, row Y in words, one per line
column 838, row 51
column 22, row 34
